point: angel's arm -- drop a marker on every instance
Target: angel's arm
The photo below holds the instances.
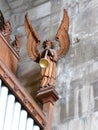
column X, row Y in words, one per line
column 62, row 35
column 32, row 40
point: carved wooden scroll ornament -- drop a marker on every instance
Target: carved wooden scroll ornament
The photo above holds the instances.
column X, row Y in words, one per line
column 6, row 30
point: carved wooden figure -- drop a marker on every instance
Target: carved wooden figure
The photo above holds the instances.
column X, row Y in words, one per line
column 48, row 74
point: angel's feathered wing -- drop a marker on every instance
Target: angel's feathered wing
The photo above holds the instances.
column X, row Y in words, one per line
column 32, row 39
column 62, row 35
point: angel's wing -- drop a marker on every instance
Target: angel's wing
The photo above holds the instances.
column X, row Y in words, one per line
column 62, row 35
column 2, row 22
column 32, row 39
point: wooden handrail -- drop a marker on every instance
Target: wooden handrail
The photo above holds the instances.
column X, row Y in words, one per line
column 22, row 95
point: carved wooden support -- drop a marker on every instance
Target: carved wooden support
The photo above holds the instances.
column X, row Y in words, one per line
column 48, row 96
column 24, row 97
column 47, row 93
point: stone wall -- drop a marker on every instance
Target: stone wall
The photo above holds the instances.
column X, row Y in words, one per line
column 77, row 76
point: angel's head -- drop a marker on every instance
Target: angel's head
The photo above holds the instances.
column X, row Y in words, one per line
column 48, row 44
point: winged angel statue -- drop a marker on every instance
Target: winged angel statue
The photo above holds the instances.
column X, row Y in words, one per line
column 48, row 71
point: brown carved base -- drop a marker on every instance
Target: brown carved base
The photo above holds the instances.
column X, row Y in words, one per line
column 48, row 96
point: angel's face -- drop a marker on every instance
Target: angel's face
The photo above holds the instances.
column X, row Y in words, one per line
column 47, row 44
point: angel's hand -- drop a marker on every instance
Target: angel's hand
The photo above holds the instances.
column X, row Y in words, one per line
column 53, row 55
column 50, row 52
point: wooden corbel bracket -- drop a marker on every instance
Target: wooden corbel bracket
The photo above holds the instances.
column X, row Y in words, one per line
column 48, row 96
